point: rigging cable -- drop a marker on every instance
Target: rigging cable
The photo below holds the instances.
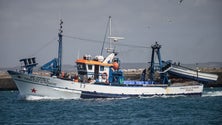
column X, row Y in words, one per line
column 43, row 47
column 104, row 40
column 84, row 39
column 98, row 41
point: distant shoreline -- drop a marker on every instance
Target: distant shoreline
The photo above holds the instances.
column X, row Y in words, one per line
column 71, row 68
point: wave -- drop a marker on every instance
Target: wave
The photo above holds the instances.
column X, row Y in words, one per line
column 36, row 98
column 212, row 93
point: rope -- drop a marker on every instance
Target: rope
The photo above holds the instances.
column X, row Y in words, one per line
column 104, row 40
column 98, row 41
column 43, row 47
column 84, row 39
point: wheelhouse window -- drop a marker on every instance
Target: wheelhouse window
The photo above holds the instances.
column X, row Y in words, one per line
column 81, row 69
column 89, row 67
column 81, row 66
column 101, row 68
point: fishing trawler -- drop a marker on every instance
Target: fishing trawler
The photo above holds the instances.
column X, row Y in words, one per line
column 97, row 77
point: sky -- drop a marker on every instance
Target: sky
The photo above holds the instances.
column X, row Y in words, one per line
column 189, row 32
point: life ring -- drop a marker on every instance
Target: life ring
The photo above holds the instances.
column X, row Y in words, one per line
column 105, row 77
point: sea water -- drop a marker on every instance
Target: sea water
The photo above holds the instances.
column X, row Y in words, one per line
column 177, row 110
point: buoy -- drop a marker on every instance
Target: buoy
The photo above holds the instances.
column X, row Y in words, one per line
column 115, row 65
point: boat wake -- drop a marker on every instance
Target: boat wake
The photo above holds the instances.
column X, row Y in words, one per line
column 162, row 96
column 212, row 93
column 36, row 98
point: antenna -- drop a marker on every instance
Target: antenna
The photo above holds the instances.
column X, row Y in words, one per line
column 110, row 33
column 110, row 30
column 115, row 40
column 104, row 40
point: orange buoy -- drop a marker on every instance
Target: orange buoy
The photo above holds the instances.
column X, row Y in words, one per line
column 115, row 65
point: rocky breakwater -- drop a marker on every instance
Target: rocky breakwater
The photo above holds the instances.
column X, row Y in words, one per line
column 6, row 82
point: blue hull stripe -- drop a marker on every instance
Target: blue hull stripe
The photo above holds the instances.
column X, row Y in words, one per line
column 88, row 95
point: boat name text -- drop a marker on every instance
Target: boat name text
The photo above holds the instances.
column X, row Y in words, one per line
column 36, row 79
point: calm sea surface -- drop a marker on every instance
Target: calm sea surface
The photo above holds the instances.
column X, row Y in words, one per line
column 136, row 111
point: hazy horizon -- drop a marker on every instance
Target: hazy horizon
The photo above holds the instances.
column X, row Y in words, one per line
column 189, row 32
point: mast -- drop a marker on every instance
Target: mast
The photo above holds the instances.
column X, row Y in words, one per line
column 156, row 49
column 55, row 65
column 109, row 50
column 104, row 40
column 115, row 39
column 110, row 32
column 60, row 47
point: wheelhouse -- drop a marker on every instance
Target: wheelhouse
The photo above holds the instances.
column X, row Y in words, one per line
column 93, row 69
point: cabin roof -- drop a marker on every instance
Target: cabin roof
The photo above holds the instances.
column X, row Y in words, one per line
column 92, row 62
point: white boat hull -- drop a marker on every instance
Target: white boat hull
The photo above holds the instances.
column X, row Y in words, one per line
column 40, row 90
column 32, row 85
